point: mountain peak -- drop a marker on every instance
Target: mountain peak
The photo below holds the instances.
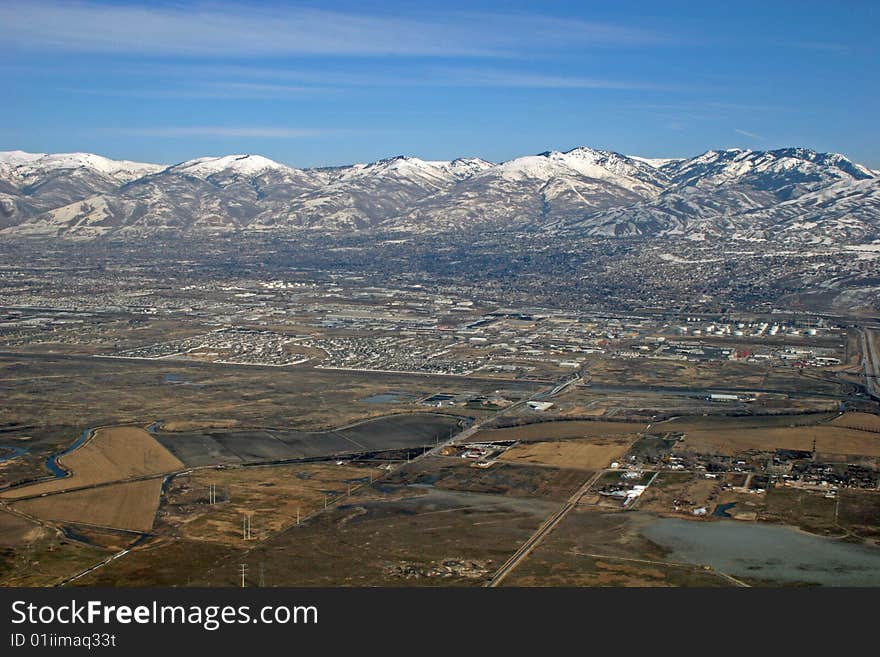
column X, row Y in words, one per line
column 242, row 164
column 30, row 165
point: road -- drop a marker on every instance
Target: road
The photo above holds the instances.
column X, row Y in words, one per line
column 702, row 392
column 548, row 526
column 455, row 438
column 871, row 363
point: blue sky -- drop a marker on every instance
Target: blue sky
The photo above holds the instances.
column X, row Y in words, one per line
column 323, row 83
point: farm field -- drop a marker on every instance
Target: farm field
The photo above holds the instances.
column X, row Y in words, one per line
column 400, row 431
column 829, row 440
column 717, row 422
column 585, row 454
column 129, row 506
column 864, row 421
column 560, row 430
column 111, row 454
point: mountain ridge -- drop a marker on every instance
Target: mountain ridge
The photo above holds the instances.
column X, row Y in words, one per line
column 737, row 193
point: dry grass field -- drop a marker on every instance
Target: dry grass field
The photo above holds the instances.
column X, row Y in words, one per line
column 582, row 454
column 605, row 548
column 130, row 506
column 269, row 495
column 858, row 421
column 187, row 425
column 111, row 454
column 16, row 531
column 676, row 373
column 47, row 561
column 543, row 431
column 719, row 422
column 829, row 440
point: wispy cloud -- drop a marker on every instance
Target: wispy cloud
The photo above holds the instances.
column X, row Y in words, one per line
column 204, row 90
column 750, row 135
column 271, row 132
column 821, row 46
column 230, row 30
column 274, row 83
column 502, row 78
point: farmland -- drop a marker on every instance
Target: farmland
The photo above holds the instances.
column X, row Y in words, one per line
column 560, row 430
column 828, row 439
column 586, row 454
column 110, row 454
column 312, row 476
column 128, row 506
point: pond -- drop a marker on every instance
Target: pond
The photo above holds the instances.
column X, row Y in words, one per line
column 390, row 397
column 776, row 553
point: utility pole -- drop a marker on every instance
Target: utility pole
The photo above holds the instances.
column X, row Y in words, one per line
column 297, row 515
column 243, row 574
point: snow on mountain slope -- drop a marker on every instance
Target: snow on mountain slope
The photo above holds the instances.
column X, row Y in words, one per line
column 243, row 165
column 843, row 213
column 786, row 170
column 465, row 167
column 707, row 193
column 537, row 188
column 657, row 162
column 18, row 158
column 363, row 195
column 792, row 194
column 30, row 166
column 31, row 183
column 614, row 168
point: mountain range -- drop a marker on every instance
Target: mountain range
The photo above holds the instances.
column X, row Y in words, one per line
column 788, row 195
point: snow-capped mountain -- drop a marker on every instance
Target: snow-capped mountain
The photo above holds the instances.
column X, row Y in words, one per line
column 31, row 183
column 792, row 194
column 538, row 188
column 726, row 192
column 31, row 166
